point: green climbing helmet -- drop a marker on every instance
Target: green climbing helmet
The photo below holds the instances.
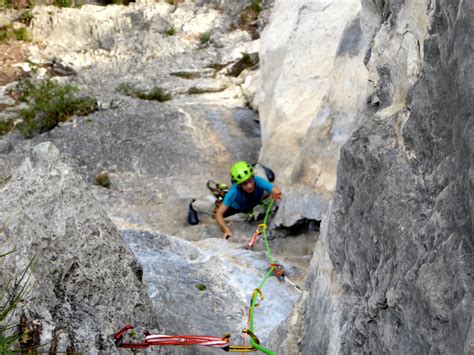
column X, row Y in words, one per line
column 241, row 172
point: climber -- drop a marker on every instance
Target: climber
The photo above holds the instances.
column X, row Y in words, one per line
column 247, row 191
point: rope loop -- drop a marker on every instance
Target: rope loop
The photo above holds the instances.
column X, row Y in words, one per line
column 161, row 339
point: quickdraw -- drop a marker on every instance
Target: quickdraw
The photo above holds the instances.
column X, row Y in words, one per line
column 244, row 348
column 256, row 292
column 278, row 269
column 260, row 229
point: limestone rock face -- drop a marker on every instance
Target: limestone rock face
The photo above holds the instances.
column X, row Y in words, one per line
column 392, row 271
column 313, row 84
column 158, row 155
column 86, row 284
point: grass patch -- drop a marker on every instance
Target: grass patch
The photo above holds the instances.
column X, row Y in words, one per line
column 12, row 294
column 22, row 34
column 49, row 104
column 186, row 75
column 62, row 3
column 205, row 37
column 8, row 33
column 197, row 91
column 246, row 61
column 5, row 4
column 250, row 13
column 16, row 4
column 103, row 180
column 201, row 287
column 155, row 94
column 216, row 66
column 256, row 6
column 170, row 32
column 26, row 17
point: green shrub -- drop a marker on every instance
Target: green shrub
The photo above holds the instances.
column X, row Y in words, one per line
column 26, row 17
column 62, row 3
column 5, row 4
column 170, row 32
column 155, row 94
column 8, row 32
column 250, row 12
column 114, row 2
column 196, row 90
column 49, row 104
column 216, row 66
column 246, row 61
column 22, row 34
column 201, row 287
column 126, row 89
column 103, row 180
column 5, row 127
column 186, row 74
column 256, row 6
column 205, row 37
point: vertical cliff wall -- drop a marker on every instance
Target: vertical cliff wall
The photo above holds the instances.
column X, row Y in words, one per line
column 392, row 271
column 312, row 84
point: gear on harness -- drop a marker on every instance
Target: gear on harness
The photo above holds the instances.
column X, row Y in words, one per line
column 218, row 190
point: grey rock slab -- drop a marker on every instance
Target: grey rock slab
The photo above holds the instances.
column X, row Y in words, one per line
column 86, row 283
column 158, row 156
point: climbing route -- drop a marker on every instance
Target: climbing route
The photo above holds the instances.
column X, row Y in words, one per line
column 257, row 297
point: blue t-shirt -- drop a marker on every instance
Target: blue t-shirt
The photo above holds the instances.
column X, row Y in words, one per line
column 243, row 201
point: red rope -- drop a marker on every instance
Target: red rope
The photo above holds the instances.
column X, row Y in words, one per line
column 180, row 340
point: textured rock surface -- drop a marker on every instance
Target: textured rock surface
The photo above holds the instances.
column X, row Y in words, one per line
column 392, row 272
column 158, row 157
column 227, row 275
column 313, row 84
column 86, row 284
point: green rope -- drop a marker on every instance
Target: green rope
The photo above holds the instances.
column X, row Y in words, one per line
column 252, row 308
column 265, row 231
column 254, row 296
